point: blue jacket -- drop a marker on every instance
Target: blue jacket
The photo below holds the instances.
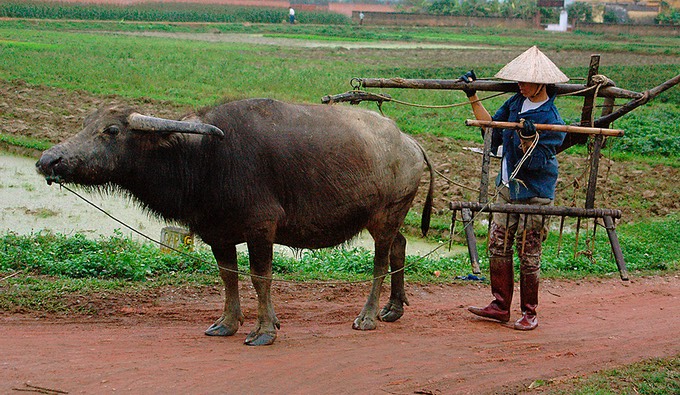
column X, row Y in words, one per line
column 539, row 171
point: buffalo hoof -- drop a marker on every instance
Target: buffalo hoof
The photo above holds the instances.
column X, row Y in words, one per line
column 364, row 324
column 391, row 312
column 219, row 329
column 260, row 339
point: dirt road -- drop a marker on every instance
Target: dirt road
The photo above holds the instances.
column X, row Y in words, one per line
column 156, row 345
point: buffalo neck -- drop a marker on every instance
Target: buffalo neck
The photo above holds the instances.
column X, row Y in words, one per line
column 174, row 179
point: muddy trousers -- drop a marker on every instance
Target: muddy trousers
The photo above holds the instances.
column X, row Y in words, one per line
column 527, row 233
column 502, row 276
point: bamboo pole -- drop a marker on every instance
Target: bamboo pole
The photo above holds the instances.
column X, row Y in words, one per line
column 486, row 85
column 541, row 126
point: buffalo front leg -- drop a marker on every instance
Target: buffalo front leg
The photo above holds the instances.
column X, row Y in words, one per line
column 394, row 308
column 261, row 273
column 368, row 318
column 232, row 317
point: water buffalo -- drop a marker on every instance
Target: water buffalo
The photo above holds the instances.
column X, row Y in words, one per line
column 260, row 171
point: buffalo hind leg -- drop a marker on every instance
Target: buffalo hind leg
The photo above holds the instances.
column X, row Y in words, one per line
column 232, row 317
column 261, row 254
column 368, row 318
column 394, row 308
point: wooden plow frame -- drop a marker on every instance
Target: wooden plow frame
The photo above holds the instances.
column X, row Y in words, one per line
column 596, row 86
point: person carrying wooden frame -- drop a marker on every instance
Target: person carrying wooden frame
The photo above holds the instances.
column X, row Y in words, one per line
column 528, row 175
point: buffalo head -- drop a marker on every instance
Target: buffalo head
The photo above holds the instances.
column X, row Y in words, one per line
column 110, row 138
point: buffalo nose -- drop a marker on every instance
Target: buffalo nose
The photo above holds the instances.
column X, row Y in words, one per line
column 47, row 162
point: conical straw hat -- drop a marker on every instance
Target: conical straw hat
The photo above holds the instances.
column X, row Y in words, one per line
column 532, row 66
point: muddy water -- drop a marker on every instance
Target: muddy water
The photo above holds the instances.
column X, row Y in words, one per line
column 28, row 205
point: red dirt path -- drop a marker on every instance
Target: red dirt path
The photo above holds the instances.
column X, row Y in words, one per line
column 158, row 346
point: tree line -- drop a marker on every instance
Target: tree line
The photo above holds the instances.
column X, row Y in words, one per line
column 527, row 9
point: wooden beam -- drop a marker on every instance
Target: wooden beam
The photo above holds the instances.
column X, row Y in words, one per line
column 491, row 86
column 539, row 210
column 541, row 126
column 633, row 104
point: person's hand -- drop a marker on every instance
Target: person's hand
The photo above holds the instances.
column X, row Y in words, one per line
column 467, row 78
column 527, row 134
column 528, row 130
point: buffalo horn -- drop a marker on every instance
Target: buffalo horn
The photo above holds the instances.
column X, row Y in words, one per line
column 138, row 121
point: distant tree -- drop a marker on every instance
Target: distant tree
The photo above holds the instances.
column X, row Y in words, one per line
column 615, row 14
column 610, row 16
column 444, row 7
column 580, row 12
column 549, row 14
column 668, row 15
column 478, row 8
column 524, row 9
column 413, row 5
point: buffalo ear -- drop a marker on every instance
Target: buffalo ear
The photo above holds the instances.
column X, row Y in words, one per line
column 146, row 123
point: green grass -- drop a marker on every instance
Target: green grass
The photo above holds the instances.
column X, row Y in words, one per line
column 186, row 72
column 649, row 248
column 24, row 142
column 332, row 25
column 655, row 376
column 651, row 131
column 37, row 270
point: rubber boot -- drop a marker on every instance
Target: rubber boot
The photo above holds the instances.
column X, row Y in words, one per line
column 502, row 284
column 528, row 301
column 530, row 266
column 529, row 252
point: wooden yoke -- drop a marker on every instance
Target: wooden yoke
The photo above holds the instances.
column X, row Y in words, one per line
column 580, row 133
column 597, row 86
column 576, row 134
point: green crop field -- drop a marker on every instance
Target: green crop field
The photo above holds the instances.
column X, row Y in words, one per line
column 163, row 12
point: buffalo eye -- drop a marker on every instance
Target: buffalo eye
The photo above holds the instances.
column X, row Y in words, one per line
column 112, row 130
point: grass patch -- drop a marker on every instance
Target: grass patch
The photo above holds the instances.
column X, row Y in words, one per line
column 341, row 28
column 115, row 257
column 647, row 248
column 24, row 142
column 78, row 55
column 655, row 376
column 650, row 248
column 23, row 44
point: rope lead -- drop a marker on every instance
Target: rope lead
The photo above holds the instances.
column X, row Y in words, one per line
column 241, row 271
